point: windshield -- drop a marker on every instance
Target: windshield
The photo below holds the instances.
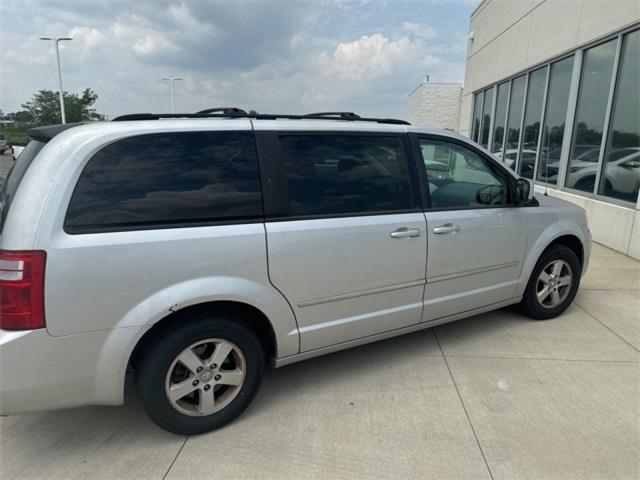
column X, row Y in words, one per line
column 9, row 185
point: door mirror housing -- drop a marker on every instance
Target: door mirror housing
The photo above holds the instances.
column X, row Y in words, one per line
column 523, row 191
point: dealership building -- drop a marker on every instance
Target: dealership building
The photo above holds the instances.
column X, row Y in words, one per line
column 553, row 88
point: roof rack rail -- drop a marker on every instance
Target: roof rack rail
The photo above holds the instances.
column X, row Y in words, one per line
column 341, row 115
column 232, row 112
column 225, row 110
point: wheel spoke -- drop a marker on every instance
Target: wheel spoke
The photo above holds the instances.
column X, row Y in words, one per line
column 223, row 349
column 564, row 281
column 207, row 402
column 545, row 277
column 557, row 269
column 190, row 360
column 543, row 294
column 555, row 297
column 180, row 390
column 231, row 377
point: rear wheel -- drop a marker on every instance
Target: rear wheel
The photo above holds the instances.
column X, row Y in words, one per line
column 201, row 375
column 553, row 283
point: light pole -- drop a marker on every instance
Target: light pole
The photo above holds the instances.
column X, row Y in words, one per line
column 172, row 80
column 56, row 41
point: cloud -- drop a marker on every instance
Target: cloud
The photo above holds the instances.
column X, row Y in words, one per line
column 278, row 56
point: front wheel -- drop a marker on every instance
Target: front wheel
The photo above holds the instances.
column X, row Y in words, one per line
column 553, row 283
column 201, row 375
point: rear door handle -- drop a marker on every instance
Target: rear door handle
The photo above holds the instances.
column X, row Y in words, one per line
column 405, row 232
column 446, row 228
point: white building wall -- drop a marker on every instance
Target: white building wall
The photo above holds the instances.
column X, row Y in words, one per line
column 436, row 105
column 512, row 36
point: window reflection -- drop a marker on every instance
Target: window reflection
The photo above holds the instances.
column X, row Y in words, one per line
column 486, row 117
column 595, row 83
column 501, row 117
column 554, row 119
column 621, row 175
column 532, row 114
column 515, row 116
column 477, row 108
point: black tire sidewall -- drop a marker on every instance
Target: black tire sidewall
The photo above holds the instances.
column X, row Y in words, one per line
column 530, row 303
column 157, row 359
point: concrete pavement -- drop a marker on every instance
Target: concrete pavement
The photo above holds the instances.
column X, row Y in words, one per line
column 497, row 396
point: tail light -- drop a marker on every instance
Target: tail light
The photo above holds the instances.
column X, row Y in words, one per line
column 22, row 290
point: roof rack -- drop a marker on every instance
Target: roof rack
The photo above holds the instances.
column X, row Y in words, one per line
column 234, row 112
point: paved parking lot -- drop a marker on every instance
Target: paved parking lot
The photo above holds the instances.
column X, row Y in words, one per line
column 495, row 396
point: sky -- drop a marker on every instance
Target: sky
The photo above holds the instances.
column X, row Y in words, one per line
column 277, row 56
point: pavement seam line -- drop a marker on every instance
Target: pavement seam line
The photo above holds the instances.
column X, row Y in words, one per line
column 631, row 362
column 175, row 458
column 464, row 407
column 605, row 326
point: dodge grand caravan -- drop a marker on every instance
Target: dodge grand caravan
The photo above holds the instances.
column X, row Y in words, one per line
column 193, row 250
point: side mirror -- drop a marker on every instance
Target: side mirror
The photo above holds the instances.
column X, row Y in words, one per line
column 523, row 191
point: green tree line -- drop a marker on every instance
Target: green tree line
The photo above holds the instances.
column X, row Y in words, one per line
column 43, row 108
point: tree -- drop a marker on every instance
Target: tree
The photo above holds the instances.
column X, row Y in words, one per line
column 44, row 107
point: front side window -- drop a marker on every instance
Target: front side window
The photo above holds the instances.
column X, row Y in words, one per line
column 167, row 179
column 621, row 176
column 344, row 174
column 593, row 95
column 460, row 178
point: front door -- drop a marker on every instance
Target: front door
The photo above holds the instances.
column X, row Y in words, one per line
column 348, row 246
column 477, row 240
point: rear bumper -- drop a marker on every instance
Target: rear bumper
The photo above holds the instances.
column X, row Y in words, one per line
column 42, row 372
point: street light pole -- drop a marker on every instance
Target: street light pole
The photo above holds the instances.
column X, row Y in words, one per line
column 172, row 80
column 56, row 41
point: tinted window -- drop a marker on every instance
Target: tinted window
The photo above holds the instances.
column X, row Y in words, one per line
column 340, row 174
column 621, row 176
column 532, row 115
column 595, row 82
column 168, row 178
column 459, row 177
column 554, row 119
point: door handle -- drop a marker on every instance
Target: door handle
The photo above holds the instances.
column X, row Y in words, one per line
column 446, row 228
column 404, row 232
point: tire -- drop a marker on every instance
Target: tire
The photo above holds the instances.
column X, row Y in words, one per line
column 204, row 337
column 551, row 306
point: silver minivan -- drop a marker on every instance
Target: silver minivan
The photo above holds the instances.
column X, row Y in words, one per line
column 193, row 250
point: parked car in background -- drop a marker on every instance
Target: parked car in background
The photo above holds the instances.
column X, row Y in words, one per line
column 197, row 249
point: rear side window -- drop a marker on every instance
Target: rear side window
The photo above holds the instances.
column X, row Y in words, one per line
column 168, row 179
column 344, row 174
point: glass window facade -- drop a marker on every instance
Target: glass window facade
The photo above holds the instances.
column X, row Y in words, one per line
column 532, row 117
column 573, row 123
column 497, row 143
column 477, row 109
column 485, row 127
column 554, row 120
column 621, row 174
column 514, row 120
column 588, row 127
